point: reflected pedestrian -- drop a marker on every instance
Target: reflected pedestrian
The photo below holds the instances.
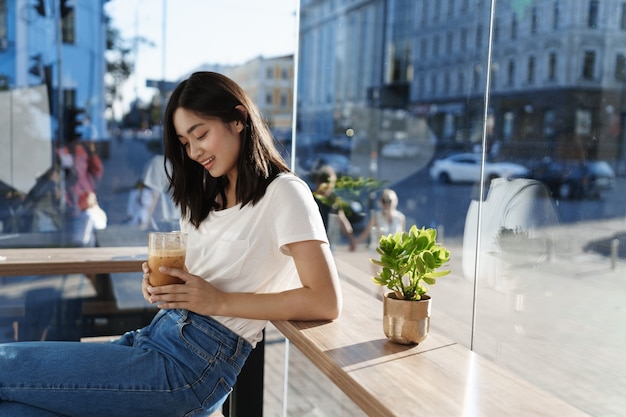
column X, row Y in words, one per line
column 385, row 220
column 333, row 214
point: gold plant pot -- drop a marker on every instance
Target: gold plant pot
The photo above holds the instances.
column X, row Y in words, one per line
column 406, row 322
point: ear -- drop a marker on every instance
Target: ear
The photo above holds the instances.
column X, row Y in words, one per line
column 244, row 112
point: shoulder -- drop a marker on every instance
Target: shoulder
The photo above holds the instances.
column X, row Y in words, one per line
column 288, row 191
column 288, row 183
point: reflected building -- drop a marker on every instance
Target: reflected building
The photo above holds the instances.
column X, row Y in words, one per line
column 269, row 83
column 45, row 43
column 556, row 74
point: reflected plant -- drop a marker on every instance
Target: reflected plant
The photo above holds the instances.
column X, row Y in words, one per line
column 347, row 190
column 512, row 239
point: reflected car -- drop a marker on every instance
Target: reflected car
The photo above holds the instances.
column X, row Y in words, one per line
column 573, row 179
column 399, row 149
column 466, row 168
column 340, row 163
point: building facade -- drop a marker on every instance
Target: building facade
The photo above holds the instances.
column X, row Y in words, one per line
column 60, row 44
column 434, row 59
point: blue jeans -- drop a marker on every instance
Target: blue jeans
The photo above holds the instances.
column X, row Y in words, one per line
column 182, row 364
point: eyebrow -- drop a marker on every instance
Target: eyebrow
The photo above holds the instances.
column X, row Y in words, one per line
column 190, row 130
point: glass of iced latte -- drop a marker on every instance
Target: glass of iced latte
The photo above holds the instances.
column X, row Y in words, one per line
column 166, row 249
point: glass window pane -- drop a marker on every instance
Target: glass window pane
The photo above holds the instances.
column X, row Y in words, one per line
column 528, row 240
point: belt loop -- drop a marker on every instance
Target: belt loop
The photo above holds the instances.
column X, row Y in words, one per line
column 183, row 315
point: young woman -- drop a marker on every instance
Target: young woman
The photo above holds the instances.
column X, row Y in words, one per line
column 257, row 251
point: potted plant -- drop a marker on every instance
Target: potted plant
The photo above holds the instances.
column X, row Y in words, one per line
column 409, row 263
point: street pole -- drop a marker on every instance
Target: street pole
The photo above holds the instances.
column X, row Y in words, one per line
column 56, row 14
column 59, row 49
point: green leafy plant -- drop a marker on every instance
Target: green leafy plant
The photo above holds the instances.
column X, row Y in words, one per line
column 410, row 262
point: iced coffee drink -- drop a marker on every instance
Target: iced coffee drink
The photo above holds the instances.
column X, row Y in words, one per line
column 166, row 249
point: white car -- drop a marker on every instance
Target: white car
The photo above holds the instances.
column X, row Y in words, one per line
column 466, row 167
column 399, row 149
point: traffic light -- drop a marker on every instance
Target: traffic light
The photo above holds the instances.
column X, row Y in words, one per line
column 73, row 123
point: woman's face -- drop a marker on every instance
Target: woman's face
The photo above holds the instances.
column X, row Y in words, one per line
column 210, row 142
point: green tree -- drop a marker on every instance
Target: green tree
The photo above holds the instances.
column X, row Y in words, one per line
column 120, row 63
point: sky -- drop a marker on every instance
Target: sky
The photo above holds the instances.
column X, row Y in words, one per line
column 200, row 32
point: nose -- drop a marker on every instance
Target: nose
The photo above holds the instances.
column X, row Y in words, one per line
column 194, row 151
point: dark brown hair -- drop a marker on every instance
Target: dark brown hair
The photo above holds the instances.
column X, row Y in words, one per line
column 194, row 190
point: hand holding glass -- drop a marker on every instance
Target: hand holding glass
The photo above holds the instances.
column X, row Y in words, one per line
column 166, row 249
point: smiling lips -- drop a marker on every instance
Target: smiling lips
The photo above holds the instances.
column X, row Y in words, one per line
column 207, row 164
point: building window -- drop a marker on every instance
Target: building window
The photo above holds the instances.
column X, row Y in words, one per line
column 534, row 21
column 592, row 20
column 530, row 77
column 552, row 66
column 450, row 8
column 508, row 125
column 514, row 27
column 620, row 67
column 463, row 39
column 268, row 99
column 496, row 30
column 511, row 73
column 589, row 62
column 555, row 15
column 479, row 37
column 68, row 25
column 269, row 73
column 622, row 21
column 436, row 45
column 461, row 82
column 283, row 100
column 423, row 48
column 476, row 80
column 3, row 24
column 285, row 74
column 449, row 37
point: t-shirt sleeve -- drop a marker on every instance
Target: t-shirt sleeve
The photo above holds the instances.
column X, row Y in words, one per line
column 296, row 215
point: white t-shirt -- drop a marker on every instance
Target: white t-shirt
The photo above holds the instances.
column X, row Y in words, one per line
column 243, row 249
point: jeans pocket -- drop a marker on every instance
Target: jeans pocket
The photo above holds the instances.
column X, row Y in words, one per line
column 214, row 400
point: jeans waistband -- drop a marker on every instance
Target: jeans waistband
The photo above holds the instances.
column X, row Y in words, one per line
column 184, row 315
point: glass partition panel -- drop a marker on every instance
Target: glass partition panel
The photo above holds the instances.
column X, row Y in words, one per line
column 82, row 88
column 500, row 124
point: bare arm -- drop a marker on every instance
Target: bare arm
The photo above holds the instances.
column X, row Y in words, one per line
column 367, row 230
column 319, row 298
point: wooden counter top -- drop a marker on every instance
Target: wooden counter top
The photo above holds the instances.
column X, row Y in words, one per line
column 48, row 261
column 437, row 378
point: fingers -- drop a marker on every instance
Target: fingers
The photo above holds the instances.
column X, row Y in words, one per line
column 145, row 283
column 175, row 272
column 168, row 296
